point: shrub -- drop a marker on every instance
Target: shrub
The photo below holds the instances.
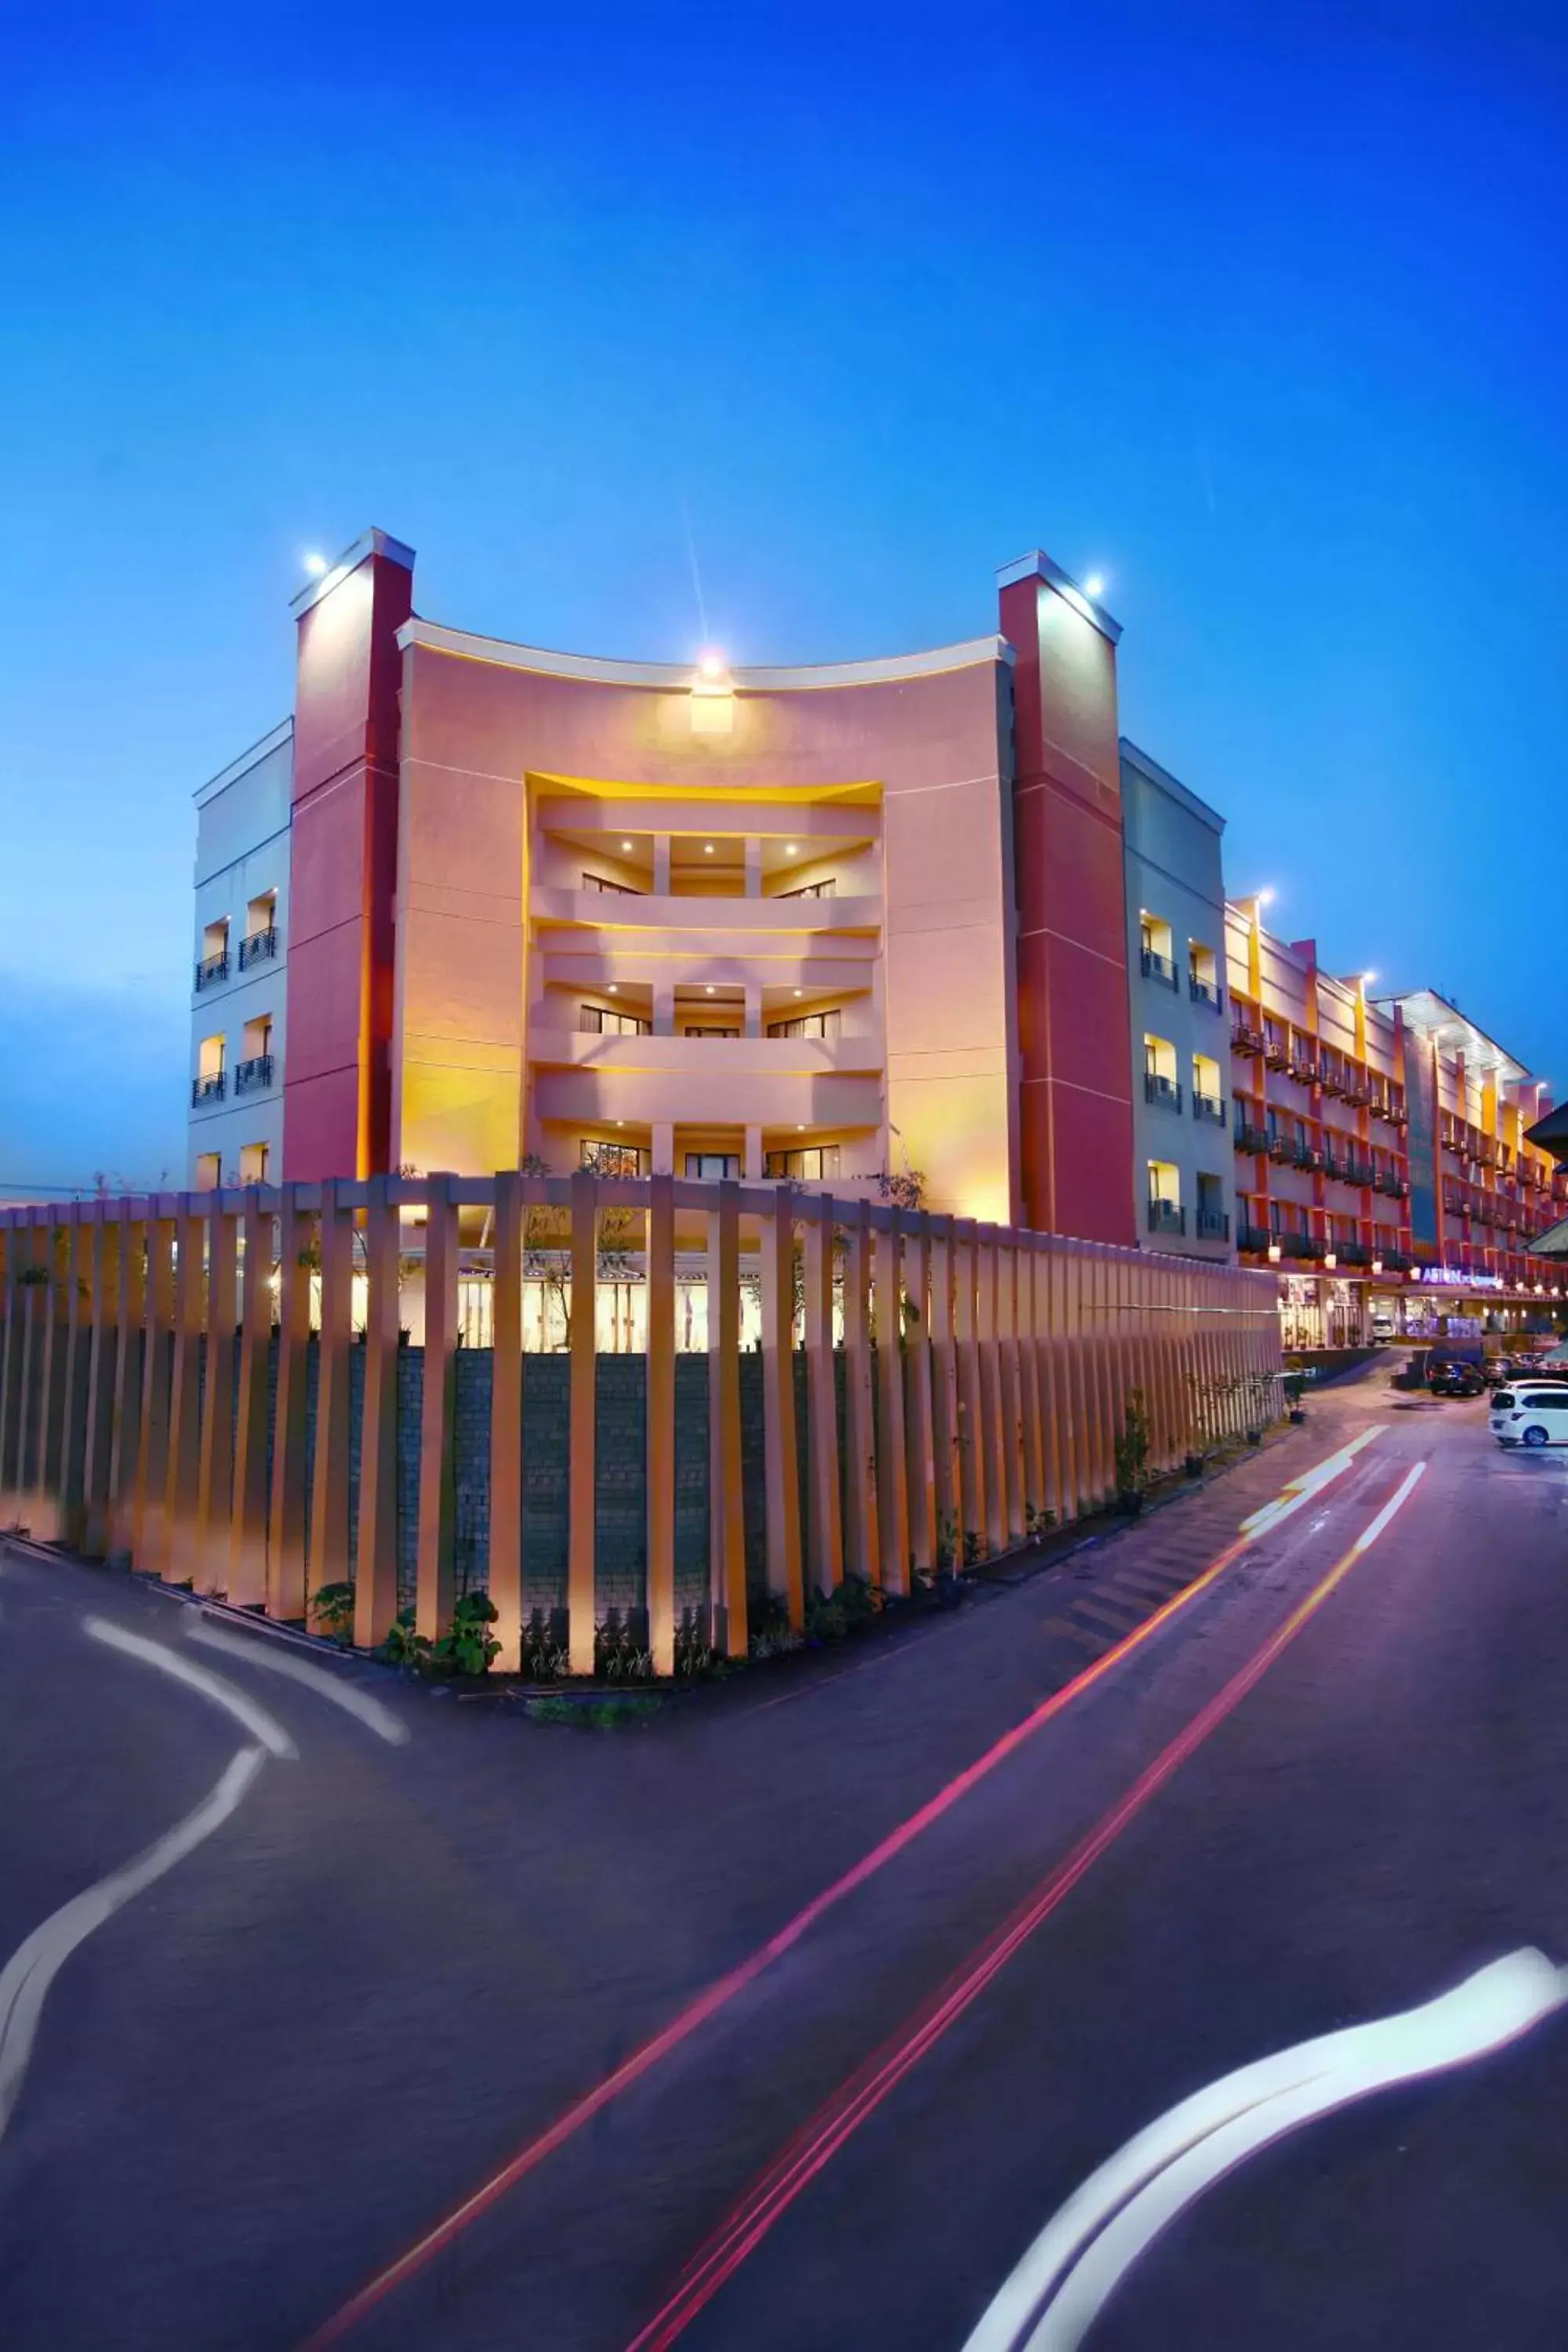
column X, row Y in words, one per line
column 403, row 1646
column 467, row 1645
column 333, row 1610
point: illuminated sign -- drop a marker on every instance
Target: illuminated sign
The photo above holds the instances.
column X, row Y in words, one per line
column 1454, row 1277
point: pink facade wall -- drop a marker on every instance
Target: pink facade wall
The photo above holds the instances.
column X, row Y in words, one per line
column 475, row 733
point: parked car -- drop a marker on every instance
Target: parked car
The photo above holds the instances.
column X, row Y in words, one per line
column 1530, row 1414
column 1456, row 1379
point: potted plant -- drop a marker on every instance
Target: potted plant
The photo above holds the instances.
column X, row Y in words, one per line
column 1132, row 1455
column 1292, row 1383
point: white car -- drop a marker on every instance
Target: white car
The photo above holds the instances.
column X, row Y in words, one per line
column 1527, row 1414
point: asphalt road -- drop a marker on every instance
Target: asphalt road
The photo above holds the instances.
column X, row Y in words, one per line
column 796, row 2019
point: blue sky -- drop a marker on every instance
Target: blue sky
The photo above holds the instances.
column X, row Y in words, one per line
column 839, row 309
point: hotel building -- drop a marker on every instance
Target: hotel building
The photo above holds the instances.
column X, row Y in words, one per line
column 843, row 924
column 475, row 906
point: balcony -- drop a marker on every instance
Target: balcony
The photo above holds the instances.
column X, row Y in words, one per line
column 1249, row 1137
column 1209, row 1107
column 697, row 917
column 207, row 1090
column 1306, row 1155
column 1279, row 1147
column 1204, row 991
column 1352, row 1252
column 1158, row 967
column 250, row 1076
column 1213, row 1225
column 1303, row 1245
column 1245, row 1039
column 1164, row 1091
column 1303, row 1068
column 259, row 947
column 1397, row 1115
column 211, row 970
column 1359, row 1172
column 1167, row 1217
column 1253, row 1237
column 1276, row 1053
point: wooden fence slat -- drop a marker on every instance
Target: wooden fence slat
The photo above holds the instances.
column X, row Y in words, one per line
column 504, row 1582
column 822, row 1400
column 286, row 1525
column 776, row 1247
column 661, row 1385
column 437, row 1586
column 215, row 1475
column 247, row 1579
column 726, row 1513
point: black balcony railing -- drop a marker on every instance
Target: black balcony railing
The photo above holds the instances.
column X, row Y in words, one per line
column 1157, row 1089
column 1253, row 1237
column 206, row 1090
column 1204, row 991
column 1303, row 1245
column 1359, row 1172
column 1249, row 1137
column 1209, row 1107
column 258, row 946
column 1245, row 1039
column 1167, row 1217
column 1214, row 1226
column 1305, row 1155
column 212, row 969
column 1159, row 967
column 248, row 1076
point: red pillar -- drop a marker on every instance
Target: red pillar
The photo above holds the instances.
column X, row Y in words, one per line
column 344, row 864
column 1074, row 1021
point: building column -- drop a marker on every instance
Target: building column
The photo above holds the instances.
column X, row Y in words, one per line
column 664, row 1008
column 751, row 1023
column 663, row 1149
column 753, row 867
column 661, row 866
column 751, row 1165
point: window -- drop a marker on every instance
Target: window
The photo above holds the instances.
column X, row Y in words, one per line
column 1158, row 949
column 1213, row 1223
column 1203, row 975
column 602, row 1021
column 207, row 1085
column 705, row 1029
column 1208, row 1097
column 812, row 1164
column 612, row 889
column 1160, row 1084
column 714, row 1164
column 209, row 1171
column 1165, row 1198
column 260, row 940
column 828, row 890
column 253, row 1160
column 212, row 964
column 613, row 1159
column 809, row 1024
column 254, row 1068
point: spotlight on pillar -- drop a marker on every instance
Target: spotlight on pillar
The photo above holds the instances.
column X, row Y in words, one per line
column 1274, row 1253
column 1377, row 1265
column 1329, row 1261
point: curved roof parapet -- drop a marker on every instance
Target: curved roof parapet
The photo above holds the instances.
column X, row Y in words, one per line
column 680, row 676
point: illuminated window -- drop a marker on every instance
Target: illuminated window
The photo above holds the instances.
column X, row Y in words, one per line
column 613, row 1159
column 713, row 1165
column 602, row 1021
column 209, row 1171
column 808, row 1024
column 811, row 1165
column 254, row 1159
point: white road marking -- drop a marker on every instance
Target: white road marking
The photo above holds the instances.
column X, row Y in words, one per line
column 34, row 1965
column 369, row 1711
column 256, row 1719
column 1301, row 1490
column 1081, row 2256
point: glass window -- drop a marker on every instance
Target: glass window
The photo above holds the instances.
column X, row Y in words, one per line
column 714, row 1164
